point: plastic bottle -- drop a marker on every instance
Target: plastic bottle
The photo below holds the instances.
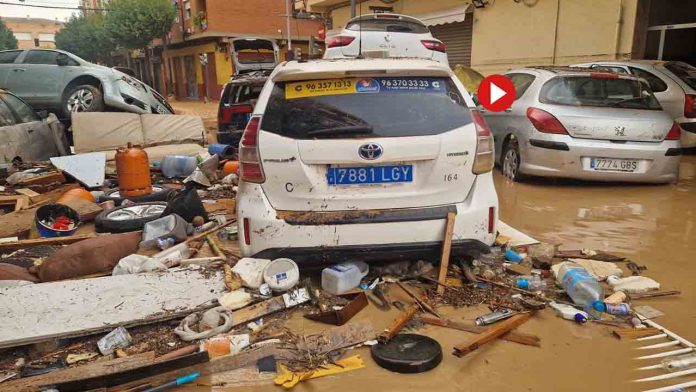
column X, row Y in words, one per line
column 569, row 313
column 178, row 165
column 512, row 256
column 582, row 288
column 531, row 283
column 614, row 309
column 165, row 243
column 340, row 278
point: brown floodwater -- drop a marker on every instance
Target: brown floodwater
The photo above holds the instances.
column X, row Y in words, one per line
column 653, row 225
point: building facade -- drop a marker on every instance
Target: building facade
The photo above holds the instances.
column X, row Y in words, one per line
column 89, row 6
column 34, row 32
column 499, row 35
column 196, row 61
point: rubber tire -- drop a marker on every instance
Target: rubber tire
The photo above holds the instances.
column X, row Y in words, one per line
column 512, row 148
column 408, row 353
column 154, row 196
column 97, row 103
column 104, row 225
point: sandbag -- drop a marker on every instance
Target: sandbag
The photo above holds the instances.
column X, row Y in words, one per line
column 187, row 204
column 15, row 272
column 91, row 256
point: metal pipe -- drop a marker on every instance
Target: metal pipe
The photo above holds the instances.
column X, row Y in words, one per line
column 352, row 9
column 653, row 337
column 660, row 345
column 667, row 353
column 674, row 387
column 287, row 23
column 666, row 331
column 668, row 375
column 619, row 22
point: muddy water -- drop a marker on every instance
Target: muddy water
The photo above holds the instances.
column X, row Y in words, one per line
column 653, row 225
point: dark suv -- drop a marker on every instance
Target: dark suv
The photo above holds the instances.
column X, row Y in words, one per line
column 237, row 102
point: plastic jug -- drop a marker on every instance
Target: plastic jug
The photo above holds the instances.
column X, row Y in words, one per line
column 178, row 165
column 582, row 288
column 340, row 278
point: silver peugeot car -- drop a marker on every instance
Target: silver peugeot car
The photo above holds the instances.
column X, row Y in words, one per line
column 61, row 82
column 583, row 124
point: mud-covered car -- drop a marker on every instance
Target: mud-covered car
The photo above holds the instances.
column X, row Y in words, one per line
column 59, row 81
column 237, row 102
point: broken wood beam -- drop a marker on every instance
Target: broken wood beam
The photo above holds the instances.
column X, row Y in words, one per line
column 398, row 323
column 275, row 304
column 446, row 249
column 634, row 333
column 21, row 244
column 43, row 179
column 418, row 300
column 653, row 294
column 515, row 337
column 491, row 334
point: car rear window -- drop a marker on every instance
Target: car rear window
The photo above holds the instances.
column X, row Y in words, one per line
column 388, row 25
column 683, row 71
column 242, row 93
column 598, row 91
column 360, row 107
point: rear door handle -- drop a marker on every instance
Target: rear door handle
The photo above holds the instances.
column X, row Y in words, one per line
column 508, row 110
column 30, row 131
column 20, row 69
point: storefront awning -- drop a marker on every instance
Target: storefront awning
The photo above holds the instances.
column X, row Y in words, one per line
column 452, row 15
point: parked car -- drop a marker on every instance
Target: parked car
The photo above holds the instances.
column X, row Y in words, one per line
column 674, row 86
column 579, row 123
column 251, row 54
column 237, row 102
column 397, row 35
column 59, row 81
column 25, row 136
column 342, row 159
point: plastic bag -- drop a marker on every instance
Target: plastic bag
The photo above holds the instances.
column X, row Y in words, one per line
column 186, row 204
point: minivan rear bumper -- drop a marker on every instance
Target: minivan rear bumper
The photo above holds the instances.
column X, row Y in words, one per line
column 271, row 234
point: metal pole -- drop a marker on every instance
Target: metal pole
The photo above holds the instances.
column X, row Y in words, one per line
column 352, row 9
column 287, row 20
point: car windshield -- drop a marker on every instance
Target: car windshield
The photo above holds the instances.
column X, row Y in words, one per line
column 683, row 71
column 387, row 25
column 598, row 91
column 378, row 107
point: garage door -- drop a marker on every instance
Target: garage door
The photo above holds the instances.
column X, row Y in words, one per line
column 457, row 39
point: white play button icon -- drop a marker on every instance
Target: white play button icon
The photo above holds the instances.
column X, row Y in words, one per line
column 496, row 93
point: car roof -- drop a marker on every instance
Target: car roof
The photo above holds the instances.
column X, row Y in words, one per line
column 577, row 71
column 351, row 67
column 385, row 15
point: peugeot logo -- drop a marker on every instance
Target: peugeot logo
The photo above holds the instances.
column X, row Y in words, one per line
column 620, row 130
column 370, row 151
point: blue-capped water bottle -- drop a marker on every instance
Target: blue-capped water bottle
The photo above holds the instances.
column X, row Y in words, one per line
column 581, row 287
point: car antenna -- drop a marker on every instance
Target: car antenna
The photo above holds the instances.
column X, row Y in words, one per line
column 360, row 56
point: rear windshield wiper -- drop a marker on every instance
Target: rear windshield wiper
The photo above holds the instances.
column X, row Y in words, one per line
column 634, row 99
column 351, row 129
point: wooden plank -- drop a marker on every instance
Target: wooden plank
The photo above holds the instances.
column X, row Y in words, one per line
column 22, row 203
column 114, row 379
column 491, row 334
column 92, row 369
column 27, row 192
column 654, row 294
column 398, row 323
column 446, row 249
column 256, row 311
column 418, row 300
column 18, row 223
column 31, row 314
column 515, row 337
column 85, row 209
column 12, row 246
column 47, row 178
column 634, row 333
column 52, row 196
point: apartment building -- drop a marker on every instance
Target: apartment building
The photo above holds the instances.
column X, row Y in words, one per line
column 34, row 32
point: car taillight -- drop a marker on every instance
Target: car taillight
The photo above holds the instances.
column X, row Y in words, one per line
column 483, row 162
column 434, row 45
column 247, row 231
column 545, row 122
column 674, row 132
column 690, row 106
column 249, row 160
column 339, row 40
column 491, row 219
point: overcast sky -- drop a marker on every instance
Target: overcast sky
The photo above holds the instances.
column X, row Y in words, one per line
column 22, row 10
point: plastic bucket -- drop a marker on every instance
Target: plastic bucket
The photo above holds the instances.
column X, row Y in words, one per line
column 52, row 211
column 224, row 151
column 281, row 274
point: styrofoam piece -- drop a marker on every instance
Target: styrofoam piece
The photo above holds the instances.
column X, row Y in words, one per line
column 88, row 169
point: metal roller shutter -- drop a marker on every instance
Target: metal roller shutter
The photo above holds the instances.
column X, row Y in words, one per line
column 457, row 38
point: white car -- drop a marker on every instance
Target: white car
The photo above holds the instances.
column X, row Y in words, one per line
column 364, row 157
column 394, row 35
column 674, row 86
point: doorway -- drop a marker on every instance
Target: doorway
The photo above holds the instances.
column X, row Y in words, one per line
column 190, row 71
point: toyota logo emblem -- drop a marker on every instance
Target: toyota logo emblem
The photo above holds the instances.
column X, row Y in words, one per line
column 370, row 151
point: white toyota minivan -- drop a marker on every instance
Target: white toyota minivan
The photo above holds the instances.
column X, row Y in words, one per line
column 346, row 159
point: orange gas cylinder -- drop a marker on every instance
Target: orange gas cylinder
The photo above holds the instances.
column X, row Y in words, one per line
column 133, row 171
column 77, row 193
column 230, row 167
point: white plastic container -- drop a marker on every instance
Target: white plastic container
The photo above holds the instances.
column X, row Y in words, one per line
column 251, row 271
column 569, row 313
column 633, row 284
column 281, row 274
column 340, row 278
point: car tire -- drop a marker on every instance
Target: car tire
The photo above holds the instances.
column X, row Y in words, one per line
column 158, row 194
column 117, row 220
column 510, row 161
column 83, row 98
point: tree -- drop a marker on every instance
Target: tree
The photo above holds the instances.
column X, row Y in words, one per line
column 86, row 37
column 133, row 24
column 7, row 39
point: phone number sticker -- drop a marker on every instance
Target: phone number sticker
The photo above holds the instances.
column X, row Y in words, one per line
column 315, row 88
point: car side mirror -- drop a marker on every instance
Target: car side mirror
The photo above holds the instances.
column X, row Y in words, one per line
column 62, row 59
column 43, row 114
